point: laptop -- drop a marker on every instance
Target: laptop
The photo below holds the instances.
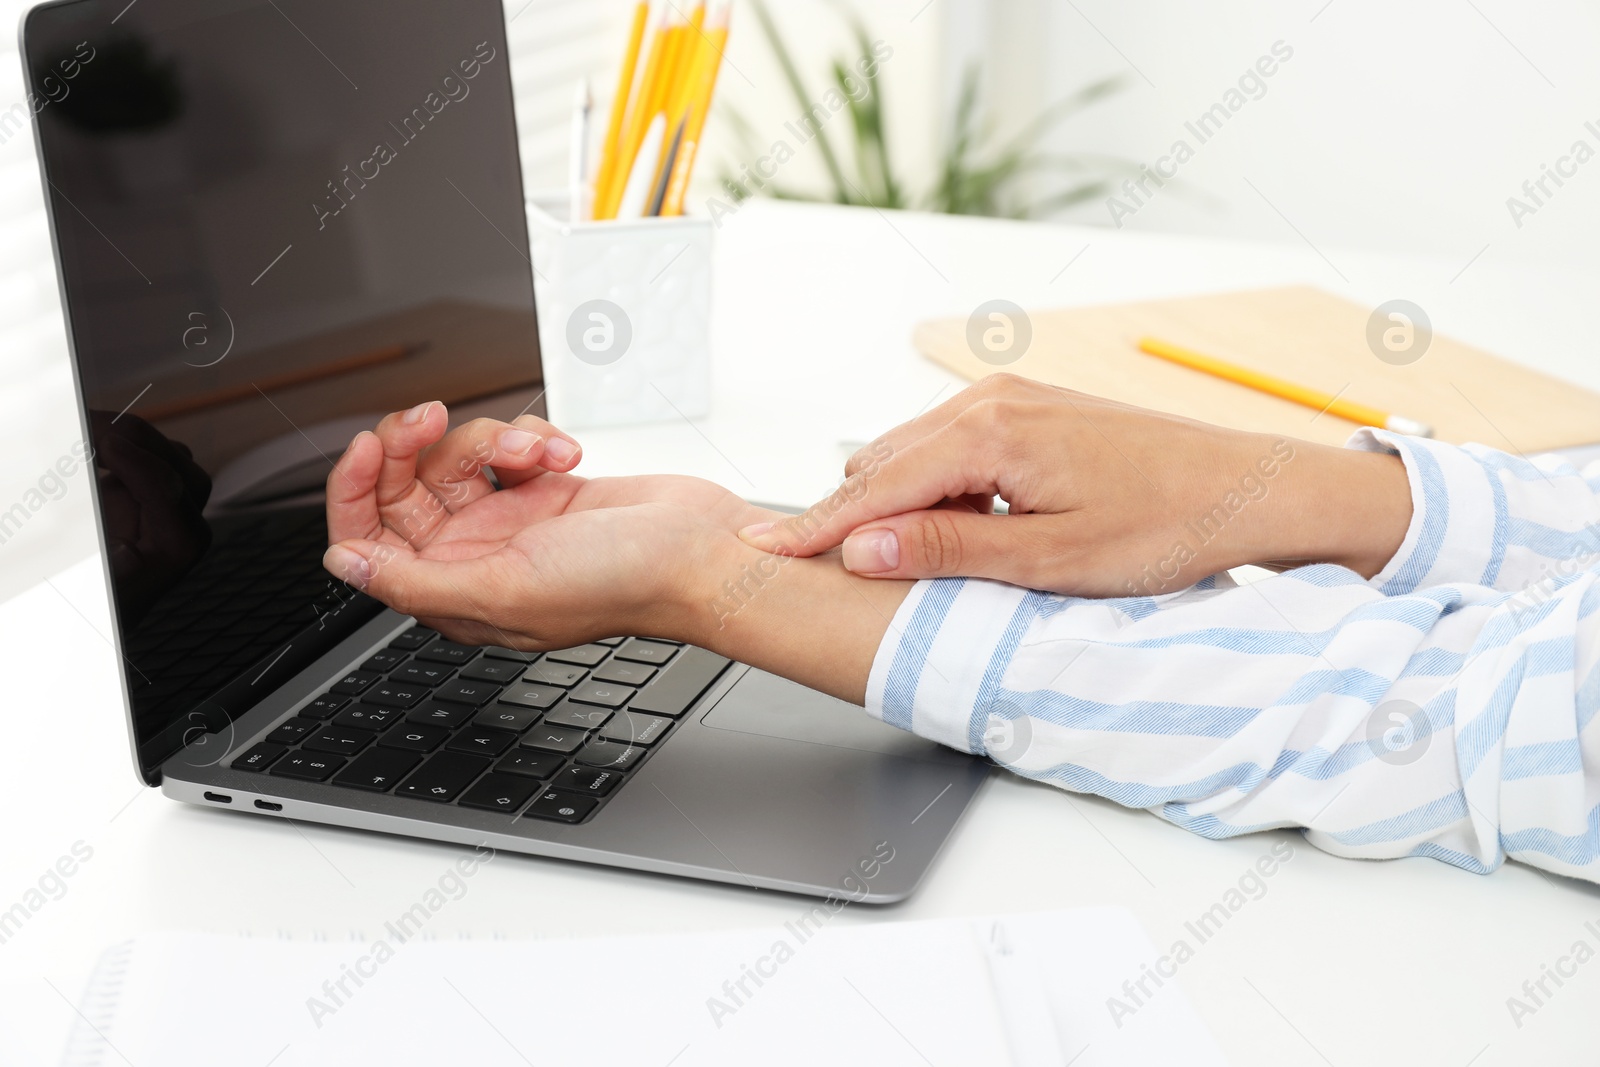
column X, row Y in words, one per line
column 274, row 222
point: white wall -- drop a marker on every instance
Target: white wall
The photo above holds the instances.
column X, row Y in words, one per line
column 1394, row 126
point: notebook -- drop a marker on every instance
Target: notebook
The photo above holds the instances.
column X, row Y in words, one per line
column 813, row 990
column 1298, row 333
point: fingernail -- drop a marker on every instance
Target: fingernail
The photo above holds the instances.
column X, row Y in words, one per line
column 418, row 413
column 347, row 564
column 751, row 532
column 872, row 553
column 560, row 450
column 518, row 442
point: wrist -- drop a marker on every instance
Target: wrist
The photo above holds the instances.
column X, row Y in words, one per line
column 808, row 620
column 1342, row 506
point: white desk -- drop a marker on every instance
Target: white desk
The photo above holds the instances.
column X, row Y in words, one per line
column 1339, row 962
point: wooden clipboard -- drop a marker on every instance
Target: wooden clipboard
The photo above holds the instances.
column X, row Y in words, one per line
column 1299, row 333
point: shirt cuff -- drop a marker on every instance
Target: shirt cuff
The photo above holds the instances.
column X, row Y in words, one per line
column 1458, row 515
column 942, row 657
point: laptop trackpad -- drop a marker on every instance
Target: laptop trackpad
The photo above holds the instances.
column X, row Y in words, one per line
column 765, row 704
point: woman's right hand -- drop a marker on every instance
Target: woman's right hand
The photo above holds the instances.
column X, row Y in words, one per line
column 1105, row 499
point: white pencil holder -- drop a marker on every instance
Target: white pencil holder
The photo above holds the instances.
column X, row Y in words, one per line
column 624, row 316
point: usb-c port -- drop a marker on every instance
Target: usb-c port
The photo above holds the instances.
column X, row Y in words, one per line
column 268, row 805
column 219, row 798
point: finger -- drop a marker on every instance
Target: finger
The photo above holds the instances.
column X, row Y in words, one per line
column 937, row 467
column 411, row 585
column 560, row 453
column 952, row 542
column 404, row 434
column 983, row 503
column 454, row 469
column 352, row 490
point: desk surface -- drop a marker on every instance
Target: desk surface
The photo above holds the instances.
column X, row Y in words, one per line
column 1337, row 962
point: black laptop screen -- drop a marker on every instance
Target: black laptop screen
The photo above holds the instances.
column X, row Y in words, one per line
column 276, row 221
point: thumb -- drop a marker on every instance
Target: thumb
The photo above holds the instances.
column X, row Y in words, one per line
column 944, row 543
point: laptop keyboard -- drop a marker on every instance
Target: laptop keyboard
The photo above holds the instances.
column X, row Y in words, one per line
column 550, row 735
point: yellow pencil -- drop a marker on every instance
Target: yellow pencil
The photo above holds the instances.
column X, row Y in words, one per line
column 681, row 55
column 705, row 85
column 610, row 147
column 1300, row 394
column 689, row 51
column 637, row 122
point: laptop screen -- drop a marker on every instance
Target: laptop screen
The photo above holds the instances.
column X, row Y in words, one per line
column 276, row 221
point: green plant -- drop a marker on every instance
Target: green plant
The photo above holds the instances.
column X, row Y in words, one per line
column 979, row 173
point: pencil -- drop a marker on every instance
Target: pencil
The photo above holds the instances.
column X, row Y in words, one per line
column 578, row 153
column 664, row 173
column 689, row 52
column 619, row 102
column 636, row 193
column 1312, row 398
column 700, row 94
column 638, row 120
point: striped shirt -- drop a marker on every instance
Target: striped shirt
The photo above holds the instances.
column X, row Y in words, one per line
column 1441, row 709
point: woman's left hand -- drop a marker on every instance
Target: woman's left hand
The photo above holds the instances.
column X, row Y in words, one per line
column 546, row 561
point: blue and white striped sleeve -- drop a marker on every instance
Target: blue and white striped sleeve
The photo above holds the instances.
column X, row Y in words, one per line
column 1488, row 518
column 1443, row 709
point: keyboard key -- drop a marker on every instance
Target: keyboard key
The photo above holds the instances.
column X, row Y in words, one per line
column 580, row 716
column 561, row 674
column 591, row 781
column 624, row 673
column 634, row 729
column 464, row 692
column 506, row 717
column 482, row 739
column 561, row 807
column 324, row 707
column 384, row 660
column 262, row 756
column 377, row 769
column 510, row 654
column 448, row 652
column 436, row 714
column 530, row 764
column 676, row 688
column 367, row 717
column 413, row 639
column 354, row 683
column 423, row 674
column 607, row 695
column 293, row 730
column 415, row 737
column 312, row 766
column 611, row 642
column 526, row 695
column 554, row 739
column 343, row 740
column 641, row 651
column 583, row 655
column 498, row 671
column 611, row 754
column 394, row 694
column 499, row 792
column 442, row 776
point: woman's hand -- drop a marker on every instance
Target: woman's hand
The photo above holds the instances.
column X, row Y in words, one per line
column 547, row 560
column 1105, row 499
